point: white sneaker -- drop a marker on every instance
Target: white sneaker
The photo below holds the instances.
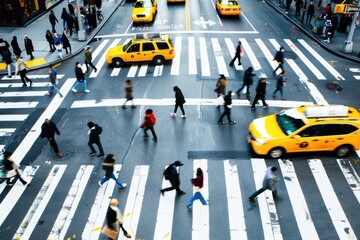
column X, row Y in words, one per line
column 87, row 90
column 74, row 90
column 99, row 184
column 173, row 114
column 183, row 116
column 124, row 185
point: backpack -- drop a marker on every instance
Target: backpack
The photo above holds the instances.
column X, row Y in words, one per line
column 167, row 173
column 98, row 129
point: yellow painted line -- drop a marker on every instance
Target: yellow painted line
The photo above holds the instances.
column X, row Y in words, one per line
column 187, row 16
column 35, row 62
column 97, row 229
column 2, row 66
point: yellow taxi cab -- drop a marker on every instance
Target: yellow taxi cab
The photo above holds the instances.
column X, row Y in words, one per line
column 176, row 0
column 147, row 47
column 306, row 128
column 144, row 11
column 228, row 7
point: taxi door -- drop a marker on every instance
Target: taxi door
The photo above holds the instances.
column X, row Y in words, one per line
column 133, row 53
column 148, row 51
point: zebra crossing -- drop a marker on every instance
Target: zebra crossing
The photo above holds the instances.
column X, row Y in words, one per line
column 234, row 219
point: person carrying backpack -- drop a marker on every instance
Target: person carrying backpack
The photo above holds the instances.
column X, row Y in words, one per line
column 148, row 123
column 94, row 138
column 172, row 173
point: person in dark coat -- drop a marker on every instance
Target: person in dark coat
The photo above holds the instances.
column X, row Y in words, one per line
column 6, row 55
column 80, row 77
column 287, row 8
column 64, row 17
column 237, row 55
column 220, row 86
column 48, row 130
column 10, row 165
column 114, row 218
column 70, row 23
column 330, row 32
column 50, row 39
column 66, row 42
column 172, row 173
column 15, row 46
column 310, row 12
column 94, row 138
column 247, row 81
column 108, row 166
column 179, row 102
column 227, row 109
column 53, row 20
column 260, row 93
column 279, row 57
column 28, row 46
column 298, row 5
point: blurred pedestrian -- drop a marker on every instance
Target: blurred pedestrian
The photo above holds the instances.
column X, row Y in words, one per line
column 128, row 88
column 94, row 138
column 70, row 23
column 88, row 58
column 172, row 173
column 148, row 123
column 53, row 81
column 29, row 46
column 15, row 45
column 327, row 10
column 179, row 102
column 269, row 183
column 108, row 166
column 50, row 39
column 260, row 93
column 198, row 183
column 227, row 109
column 6, row 55
column 325, row 28
column 48, row 130
column 237, row 55
column 22, row 68
column 298, row 5
column 330, row 32
column 279, row 58
column 66, row 43
column 249, row 74
column 319, row 4
column 280, row 84
column 310, row 12
column 10, row 165
column 114, row 221
column 80, row 77
column 53, row 20
column 64, row 17
column 287, row 8
column 220, row 86
column 58, row 45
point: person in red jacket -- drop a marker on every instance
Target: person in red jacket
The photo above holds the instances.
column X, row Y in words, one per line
column 198, row 183
column 149, row 122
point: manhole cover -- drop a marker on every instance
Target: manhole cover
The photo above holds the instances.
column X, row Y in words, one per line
column 290, row 55
column 334, row 87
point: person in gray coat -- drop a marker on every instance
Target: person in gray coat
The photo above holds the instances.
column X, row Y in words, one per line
column 269, row 183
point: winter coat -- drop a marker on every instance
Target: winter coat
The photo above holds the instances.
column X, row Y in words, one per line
column 261, row 88
column 227, row 100
column 311, row 9
column 221, row 86
column 279, row 57
column 248, row 76
column 280, row 81
column 20, row 65
column 198, row 181
column 64, row 15
column 179, row 97
column 57, row 40
column 5, row 52
column 15, row 46
column 65, row 41
column 80, row 76
column 52, row 18
column 49, row 37
column 173, row 175
column 28, row 46
column 93, row 136
column 128, row 91
column 49, row 130
column 88, row 55
column 238, row 50
column 270, row 180
column 149, row 120
column 108, row 165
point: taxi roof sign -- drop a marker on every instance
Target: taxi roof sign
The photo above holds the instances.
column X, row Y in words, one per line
column 327, row 111
column 150, row 36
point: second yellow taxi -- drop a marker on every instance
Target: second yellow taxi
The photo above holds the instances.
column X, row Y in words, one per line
column 228, row 7
column 144, row 11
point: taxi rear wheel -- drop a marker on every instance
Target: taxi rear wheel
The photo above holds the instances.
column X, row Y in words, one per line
column 343, row 150
column 117, row 62
column 276, row 152
column 159, row 60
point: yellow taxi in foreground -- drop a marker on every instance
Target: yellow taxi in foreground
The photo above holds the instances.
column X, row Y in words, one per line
column 144, row 11
column 147, row 47
column 228, row 7
column 307, row 128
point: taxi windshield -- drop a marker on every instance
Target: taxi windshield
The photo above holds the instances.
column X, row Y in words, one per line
column 126, row 46
column 290, row 121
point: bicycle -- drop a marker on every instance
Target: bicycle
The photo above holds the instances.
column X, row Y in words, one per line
column 99, row 15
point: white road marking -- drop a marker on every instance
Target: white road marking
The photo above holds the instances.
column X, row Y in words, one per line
column 158, row 70
column 192, row 56
column 6, row 131
column 249, row 52
column 175, row 66
column 351, row 176
column 357, row 77
column 115, row 72
column 96, row 52
column 143, row 70
column 232, row 51
column 132, row 71
column 8, row 105
column 205, row 67
column 354, row 70
column 268, row 55
column 220, row 62
column 23, row 94
column 31, row 76
column 19, row 85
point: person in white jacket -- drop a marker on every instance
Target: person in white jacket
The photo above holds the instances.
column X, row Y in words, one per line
column 269, row 183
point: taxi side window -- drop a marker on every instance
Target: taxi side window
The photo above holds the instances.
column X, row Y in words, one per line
column 313, row 131
column 328, row 130
column 148, row 46
column 134, row 48
column 162, row 45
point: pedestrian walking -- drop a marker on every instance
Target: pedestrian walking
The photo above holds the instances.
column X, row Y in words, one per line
column 70, row 23
column 88, row 58
column 260, row 93
column 237, row 55
column 327, row 10
column 269, row 183
column 53, row 81
column 50, row 39
column 325, row 28
column 108, row 166
column 6, row 55
column 94, row 138
column 279, row 57
column 15, row 45
column 53, row 20
column 148, row 123
column 66, row 42
column 172, row 173
column 10, row 165
column 319, row 4
column 280, row 84
column 128, row 88
column 58, row 45
column 48, row 130
column 198, row 183
column 22, row 68
column 80, row 77
column 310, row 12
column 64, row 17
column 330, row 32
column 220, row 86
column 287, row 8
column 114, row 221
column 298, row 5
column 179, row 102
column 29, row 46
column 248, row 80
column 227, row 109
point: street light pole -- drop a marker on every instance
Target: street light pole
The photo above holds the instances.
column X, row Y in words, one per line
column 81, row 32
column 348, row 44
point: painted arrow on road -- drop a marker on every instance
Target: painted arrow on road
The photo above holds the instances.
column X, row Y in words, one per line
column 201, row 22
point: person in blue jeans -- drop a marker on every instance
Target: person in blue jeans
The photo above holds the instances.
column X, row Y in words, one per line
column 280, row 83
column 53, row 81
column 108, row 166
column 198, row 184
column 80, row 77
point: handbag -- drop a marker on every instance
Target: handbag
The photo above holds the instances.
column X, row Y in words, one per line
column 109, row 232
column 11, row 173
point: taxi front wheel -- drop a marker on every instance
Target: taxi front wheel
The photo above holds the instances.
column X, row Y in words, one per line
column 159, row 60
column 276, row 152
column 117, row 62
column 343, row 150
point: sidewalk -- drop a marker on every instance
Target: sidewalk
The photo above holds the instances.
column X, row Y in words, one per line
column 36, row 32
column 336, row 44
